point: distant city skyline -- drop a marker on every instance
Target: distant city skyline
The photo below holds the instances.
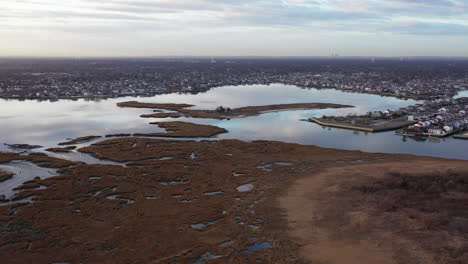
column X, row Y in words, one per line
column 144, row 28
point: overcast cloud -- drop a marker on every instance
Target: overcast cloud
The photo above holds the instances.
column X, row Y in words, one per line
column 236, row 27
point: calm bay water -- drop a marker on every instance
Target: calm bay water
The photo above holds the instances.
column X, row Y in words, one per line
column 47, row 123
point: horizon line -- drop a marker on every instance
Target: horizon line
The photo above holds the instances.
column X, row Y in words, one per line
column 231, row 56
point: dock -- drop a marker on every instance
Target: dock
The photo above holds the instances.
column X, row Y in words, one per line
column 462, row 135
column 386, row 126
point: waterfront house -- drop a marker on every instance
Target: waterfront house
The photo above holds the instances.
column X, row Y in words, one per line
column 436, row 132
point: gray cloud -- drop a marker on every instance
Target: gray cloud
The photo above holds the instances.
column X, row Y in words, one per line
column 150, row 19
column 298, row 13
column 433, row 29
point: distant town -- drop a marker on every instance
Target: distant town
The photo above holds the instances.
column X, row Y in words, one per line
column 435, row 81
column 52, row 79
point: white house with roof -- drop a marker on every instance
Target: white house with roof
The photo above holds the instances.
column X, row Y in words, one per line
column 436, row 131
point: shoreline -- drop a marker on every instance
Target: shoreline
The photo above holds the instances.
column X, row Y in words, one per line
column 97, row 97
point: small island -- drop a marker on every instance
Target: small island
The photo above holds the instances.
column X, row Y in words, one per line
column 226, row 112
column 184, row 130
column 223, row 112
column 161, row 115
column 22, row 146
column 61, row 150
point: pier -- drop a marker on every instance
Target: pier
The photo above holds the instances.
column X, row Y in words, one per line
column 462, row 135
column 381, row 127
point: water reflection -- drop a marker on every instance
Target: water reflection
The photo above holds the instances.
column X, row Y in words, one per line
column 83, row 157
column 23, row 171
column 289, row 130
column 46, row 123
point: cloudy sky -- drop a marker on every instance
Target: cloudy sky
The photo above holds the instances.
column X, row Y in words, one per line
column 233, row 27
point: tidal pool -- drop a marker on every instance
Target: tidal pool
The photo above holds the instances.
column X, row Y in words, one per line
column 245, row 187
